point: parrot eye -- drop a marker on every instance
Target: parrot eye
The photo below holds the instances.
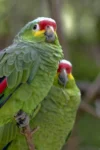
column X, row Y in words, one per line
column 36, row 27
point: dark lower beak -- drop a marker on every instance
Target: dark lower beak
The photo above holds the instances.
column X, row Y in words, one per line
column 50, row 34
column 62, row 78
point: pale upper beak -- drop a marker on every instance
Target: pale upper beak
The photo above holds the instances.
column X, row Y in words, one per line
column 50, row 34
column 63, row 77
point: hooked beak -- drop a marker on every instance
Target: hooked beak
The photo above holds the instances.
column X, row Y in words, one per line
column 62, row 78
column 50, row 34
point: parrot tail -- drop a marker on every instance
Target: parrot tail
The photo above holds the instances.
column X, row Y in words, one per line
column 6, row 147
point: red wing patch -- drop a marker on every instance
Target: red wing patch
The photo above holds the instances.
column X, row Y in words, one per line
column 3, row 85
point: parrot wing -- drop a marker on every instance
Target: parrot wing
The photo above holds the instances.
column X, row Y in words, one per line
column 18, row 64
column 11, row 139
column 8, row 133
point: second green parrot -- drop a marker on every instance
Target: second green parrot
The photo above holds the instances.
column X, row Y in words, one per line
column 55, row 118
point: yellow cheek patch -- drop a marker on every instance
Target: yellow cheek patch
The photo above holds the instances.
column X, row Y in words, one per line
column 70, row 76
column 38, row 33
column 56, row 76
column 55, row 33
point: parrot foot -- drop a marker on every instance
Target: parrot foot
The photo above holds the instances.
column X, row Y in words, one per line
column 31, row 132
column 35, row 130
column 22, row 119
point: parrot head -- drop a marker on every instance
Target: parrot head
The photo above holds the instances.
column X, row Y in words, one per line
column 41, row 29
column 64, row 72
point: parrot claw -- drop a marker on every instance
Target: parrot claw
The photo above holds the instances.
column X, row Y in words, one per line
column 32, row 132
column 35, row 130
column 22, row 119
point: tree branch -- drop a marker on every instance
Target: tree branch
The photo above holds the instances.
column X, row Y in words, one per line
column 26, row 131
column 89, row 109
column 92, row 90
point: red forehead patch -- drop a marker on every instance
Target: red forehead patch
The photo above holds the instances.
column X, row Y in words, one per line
column 65, row 66
column 45, row 23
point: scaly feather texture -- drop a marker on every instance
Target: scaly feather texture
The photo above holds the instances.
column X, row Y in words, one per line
column 29, row 66
column 55, row 119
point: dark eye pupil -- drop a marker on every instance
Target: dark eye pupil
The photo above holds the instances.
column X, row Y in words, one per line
column 35, row 26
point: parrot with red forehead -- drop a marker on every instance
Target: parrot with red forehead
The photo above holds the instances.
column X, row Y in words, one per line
column 56, row 116
column 28, row 67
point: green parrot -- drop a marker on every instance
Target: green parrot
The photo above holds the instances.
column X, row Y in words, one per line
column 28, row 67
column 55, row 118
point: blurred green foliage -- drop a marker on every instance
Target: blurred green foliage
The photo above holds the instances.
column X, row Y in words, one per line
column 3, row 22
column 84, row 67
column 89, row 131
column 80, row 22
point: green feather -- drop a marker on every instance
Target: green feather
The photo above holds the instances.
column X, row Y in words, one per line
column 55, row 117
column 1, row 71
column 26, row 74
column 19, row 78
column 12, row 79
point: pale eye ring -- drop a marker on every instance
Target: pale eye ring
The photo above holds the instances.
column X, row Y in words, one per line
column 36, row 27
